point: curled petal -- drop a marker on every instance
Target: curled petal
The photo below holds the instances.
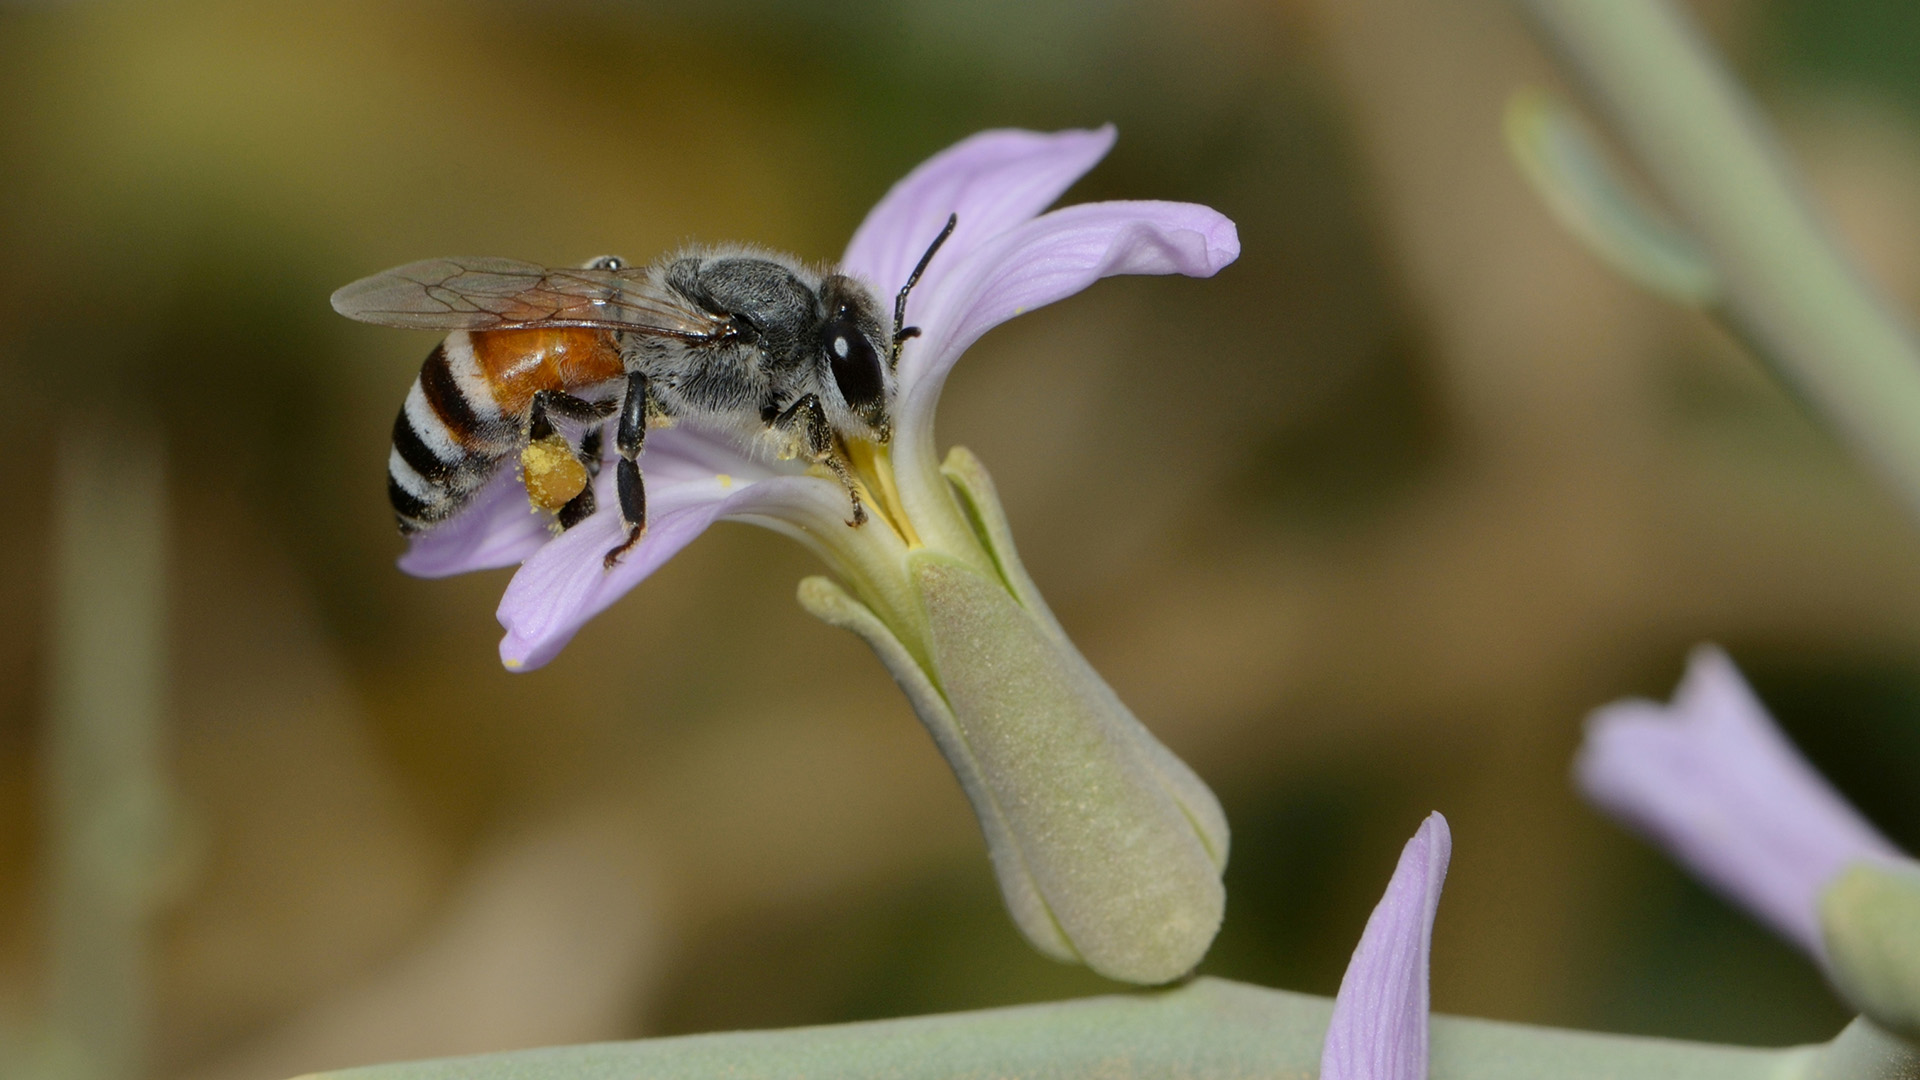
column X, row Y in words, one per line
column 1379, row 1026
column 993, row 181
column 692, row 479
column 564, row 584
column 1048, row 259
column 498, row 528
column 1712, row 779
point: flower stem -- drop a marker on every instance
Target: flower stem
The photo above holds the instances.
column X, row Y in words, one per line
column 105, row 797
column 1788, row 290
column 1208, row 1029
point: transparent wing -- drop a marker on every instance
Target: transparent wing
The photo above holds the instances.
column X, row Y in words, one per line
column 503, row 294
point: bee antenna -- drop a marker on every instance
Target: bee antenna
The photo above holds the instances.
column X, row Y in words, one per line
column 900, row 332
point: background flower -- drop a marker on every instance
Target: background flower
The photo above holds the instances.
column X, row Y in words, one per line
column 1711, row 778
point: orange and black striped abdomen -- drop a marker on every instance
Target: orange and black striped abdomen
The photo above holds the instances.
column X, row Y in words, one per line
column 468, row 409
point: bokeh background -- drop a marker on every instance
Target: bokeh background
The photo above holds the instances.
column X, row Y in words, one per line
column 1361, row 528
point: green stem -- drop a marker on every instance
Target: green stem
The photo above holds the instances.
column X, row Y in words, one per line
column 105, row 800
column 1208, row 1029
column 1787, row 288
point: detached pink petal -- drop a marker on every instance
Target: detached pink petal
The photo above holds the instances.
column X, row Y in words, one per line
column 1048, row 259
column 1379, row 1026
column 1712, row 779
column 994, row 181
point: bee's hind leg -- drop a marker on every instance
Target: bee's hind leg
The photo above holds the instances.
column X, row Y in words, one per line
column 559, row 478
column 548, row 403
column 812, row 420
column 629, row 439
column 583, row 505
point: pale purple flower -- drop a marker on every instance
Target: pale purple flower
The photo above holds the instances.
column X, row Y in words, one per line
column 1004, row 258
column 1379, row 1025
column 1108, row 848
column 1713, row 780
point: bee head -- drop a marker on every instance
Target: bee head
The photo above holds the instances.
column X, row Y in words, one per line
column 851, row 345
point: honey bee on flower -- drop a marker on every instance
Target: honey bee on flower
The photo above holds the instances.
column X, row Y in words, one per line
column 745, row 385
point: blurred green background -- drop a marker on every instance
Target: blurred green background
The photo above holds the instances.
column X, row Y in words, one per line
column 1361, row 528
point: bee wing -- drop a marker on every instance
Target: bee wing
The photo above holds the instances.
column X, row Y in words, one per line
column 502, row 294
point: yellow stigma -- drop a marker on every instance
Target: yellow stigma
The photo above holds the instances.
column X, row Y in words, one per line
column 872, row 465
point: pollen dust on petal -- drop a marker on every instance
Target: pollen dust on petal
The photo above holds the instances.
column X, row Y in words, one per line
column 725, row 481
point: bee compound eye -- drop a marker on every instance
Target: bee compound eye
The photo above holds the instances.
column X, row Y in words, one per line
column 856, row 364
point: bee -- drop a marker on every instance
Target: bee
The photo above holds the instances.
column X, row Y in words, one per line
column 788, row 360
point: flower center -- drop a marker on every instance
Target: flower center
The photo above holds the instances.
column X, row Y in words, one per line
column 872, row 467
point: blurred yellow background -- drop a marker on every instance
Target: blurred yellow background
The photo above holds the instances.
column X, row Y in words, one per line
column 1360, row 528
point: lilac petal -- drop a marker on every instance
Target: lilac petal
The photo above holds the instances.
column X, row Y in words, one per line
column 690, row 455
column 498, row 528
column 1049, row 259
column 1379, row 1026
column 565, row 584
column 1712, row 779
column 994, row 181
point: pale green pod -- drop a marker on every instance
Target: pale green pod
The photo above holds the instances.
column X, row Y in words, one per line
column 1107, row 847
column 1870, row 923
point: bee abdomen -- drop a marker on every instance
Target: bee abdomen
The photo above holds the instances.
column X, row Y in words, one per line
column 423, row 487
column 445, row 443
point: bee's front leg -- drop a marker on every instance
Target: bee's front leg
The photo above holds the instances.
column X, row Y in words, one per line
column 811, row 418
column 628, row 440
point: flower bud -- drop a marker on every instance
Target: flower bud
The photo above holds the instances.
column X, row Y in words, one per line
column 1108, row 848
column 1870, row 921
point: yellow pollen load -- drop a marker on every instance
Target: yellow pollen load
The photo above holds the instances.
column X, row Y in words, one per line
column 725, row 481
column 553, row 473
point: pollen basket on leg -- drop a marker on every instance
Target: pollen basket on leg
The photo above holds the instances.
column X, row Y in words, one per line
column 553, row 473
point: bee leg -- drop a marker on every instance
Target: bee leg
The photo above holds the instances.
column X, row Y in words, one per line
column 559, row 478
column 811, row 417
column 582, row 506
column 568, row 407
column 539, row 424
column 590, row 444
column 577, row 510
column 628, row 440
